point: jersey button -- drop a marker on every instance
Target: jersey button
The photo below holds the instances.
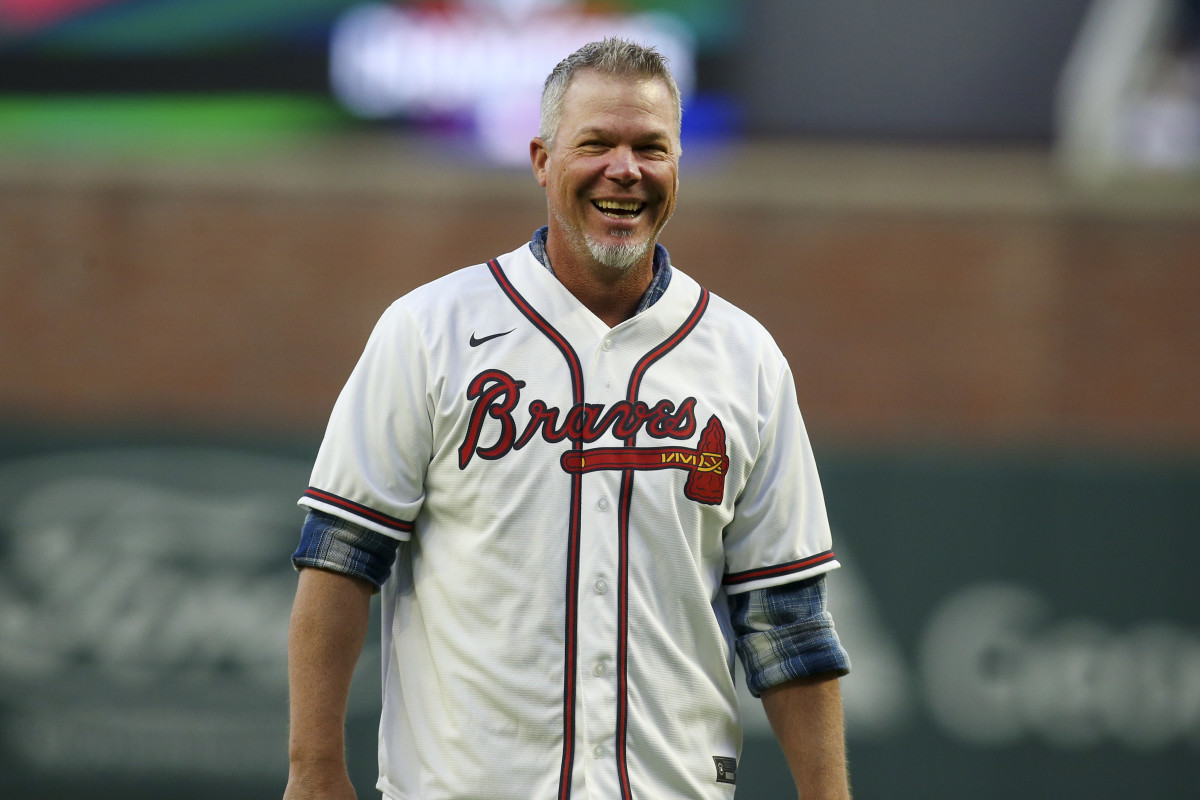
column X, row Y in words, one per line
column 608, row 344
column 598, row 670
column 598, row 752
column 601, row 586
column 602, row 504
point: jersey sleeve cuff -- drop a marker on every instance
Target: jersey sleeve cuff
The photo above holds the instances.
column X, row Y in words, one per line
column 779, row 574
column 359, row 514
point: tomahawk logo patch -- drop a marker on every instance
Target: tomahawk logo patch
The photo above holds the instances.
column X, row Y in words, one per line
column 496, row 394
column 706, row 465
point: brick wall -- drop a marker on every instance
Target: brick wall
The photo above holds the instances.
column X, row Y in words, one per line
column 921, row 296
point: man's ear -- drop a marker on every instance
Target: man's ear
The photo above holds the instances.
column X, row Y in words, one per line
column 538, row 154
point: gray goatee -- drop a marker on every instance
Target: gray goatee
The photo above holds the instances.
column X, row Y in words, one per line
column 620, row 256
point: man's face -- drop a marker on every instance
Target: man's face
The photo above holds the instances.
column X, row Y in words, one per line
column 612, row 175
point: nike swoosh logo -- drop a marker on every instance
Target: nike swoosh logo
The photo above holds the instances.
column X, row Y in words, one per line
column 476, row 342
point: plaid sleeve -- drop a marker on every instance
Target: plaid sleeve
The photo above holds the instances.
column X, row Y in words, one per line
column 785, row 632
column 331, row 543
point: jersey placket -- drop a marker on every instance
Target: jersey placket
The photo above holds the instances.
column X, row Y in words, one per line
column 598, row 601
column 595, row 681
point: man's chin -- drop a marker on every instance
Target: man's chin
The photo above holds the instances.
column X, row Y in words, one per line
column 619, row 255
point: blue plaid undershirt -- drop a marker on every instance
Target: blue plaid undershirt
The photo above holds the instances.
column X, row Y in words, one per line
column 781, row 632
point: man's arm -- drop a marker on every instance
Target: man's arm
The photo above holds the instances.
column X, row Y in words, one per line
column 806, row 715
column 325, row 639
column 793, row 659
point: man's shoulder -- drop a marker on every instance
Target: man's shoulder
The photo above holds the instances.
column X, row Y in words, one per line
column 449, row 287
column 465, row 286
column 734, row 320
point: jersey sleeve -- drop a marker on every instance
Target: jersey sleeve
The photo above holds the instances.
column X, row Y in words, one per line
column 370, row 469
column 780, row 531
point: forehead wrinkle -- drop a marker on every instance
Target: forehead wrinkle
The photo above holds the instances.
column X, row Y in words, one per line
column 605, row 132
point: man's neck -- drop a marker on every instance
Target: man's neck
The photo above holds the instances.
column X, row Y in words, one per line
column 611, row 294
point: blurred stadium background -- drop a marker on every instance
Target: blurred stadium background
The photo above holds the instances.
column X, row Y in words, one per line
column 973, row 226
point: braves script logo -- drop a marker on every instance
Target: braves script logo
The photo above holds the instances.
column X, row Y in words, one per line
column 496, row 394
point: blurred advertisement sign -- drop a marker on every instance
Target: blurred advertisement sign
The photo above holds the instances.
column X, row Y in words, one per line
column 1037, row 616
column 464, row 70
column 479, row 62
column 996, row 665
column 999, row 668
column 144, row 604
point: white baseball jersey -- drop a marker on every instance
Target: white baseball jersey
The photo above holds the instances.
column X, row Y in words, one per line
column 577, row 501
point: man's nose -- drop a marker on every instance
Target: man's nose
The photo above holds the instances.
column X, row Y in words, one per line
column 623, row 166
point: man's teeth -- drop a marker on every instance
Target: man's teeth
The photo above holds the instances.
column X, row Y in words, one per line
column 619, row 206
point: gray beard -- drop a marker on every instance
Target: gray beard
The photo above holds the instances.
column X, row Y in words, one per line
column 621, row 257
column 618, row 256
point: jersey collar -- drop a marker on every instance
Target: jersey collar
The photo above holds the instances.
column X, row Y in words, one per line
column 658, row 284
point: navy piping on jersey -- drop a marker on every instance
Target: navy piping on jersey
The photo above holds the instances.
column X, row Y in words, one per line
column 574, row 526
column 790, row 568
column 635, row 382
column 358, row 509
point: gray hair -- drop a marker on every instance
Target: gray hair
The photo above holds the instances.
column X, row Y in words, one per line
column 614, row 57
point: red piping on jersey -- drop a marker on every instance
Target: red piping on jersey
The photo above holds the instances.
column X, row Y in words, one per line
column 734, row 578
column 572, row 611
column 635, row 382
column 359, row 510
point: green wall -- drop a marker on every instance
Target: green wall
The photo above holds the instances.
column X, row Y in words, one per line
column 1020, row 625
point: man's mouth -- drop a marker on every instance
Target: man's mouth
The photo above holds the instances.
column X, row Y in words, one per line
column 619, row 209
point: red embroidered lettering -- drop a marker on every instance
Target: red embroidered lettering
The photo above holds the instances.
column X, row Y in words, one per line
column 495, row 394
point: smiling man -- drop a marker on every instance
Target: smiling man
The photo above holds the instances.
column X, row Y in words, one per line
column 580, row 484
column 608, row 157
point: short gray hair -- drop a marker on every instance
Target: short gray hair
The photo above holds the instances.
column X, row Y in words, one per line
column 614, row 57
